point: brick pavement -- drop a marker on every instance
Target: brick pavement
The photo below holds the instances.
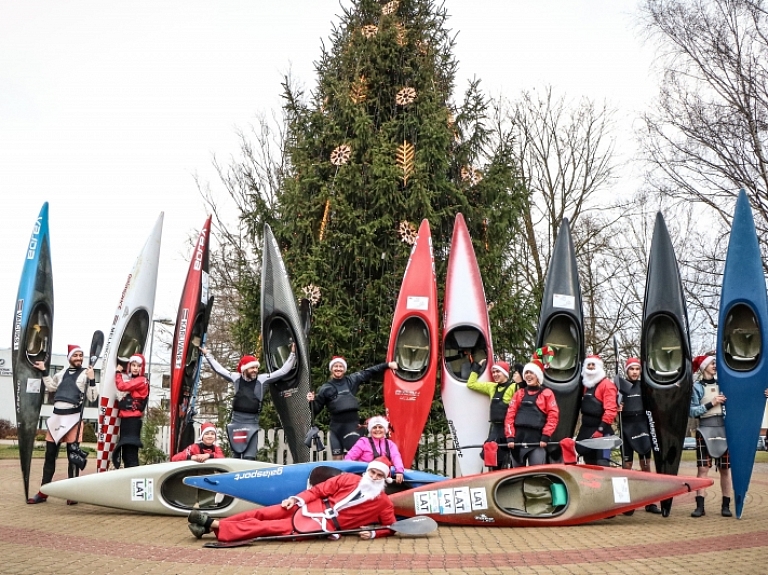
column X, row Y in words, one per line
column 54, row 538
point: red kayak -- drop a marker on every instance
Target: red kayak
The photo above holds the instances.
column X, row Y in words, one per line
column 191, row 325
column 408, row 391
column 541, row 496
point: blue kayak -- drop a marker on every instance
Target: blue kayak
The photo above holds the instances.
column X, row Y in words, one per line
column 742, row 369
column 270, row 485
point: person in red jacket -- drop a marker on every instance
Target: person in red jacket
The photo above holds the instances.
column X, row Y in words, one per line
column 346, row 501
column 598, row 409
column 531, row 418
column 133, row 393
column 204, row 449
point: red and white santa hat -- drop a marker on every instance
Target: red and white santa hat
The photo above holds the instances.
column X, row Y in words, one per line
column 631, row 361
column 501, row 366
column 536, row 368
column 207, row 426
column 137, row 358
column 247, row 362
column 337, row 359
column 700, row 362
column 382, row 464
column 72, row 350
column 594, row 358
column 378, row 420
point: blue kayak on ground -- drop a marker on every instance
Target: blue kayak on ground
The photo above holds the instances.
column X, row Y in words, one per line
column 742, row 369
column 270, row 485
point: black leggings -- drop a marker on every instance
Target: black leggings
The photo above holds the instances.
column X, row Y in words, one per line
column 49, row 465
column 343, row 436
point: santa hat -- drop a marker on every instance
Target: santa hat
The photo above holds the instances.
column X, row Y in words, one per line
column 378, row 420
column 337, row 359
column 501, row 366
column 700, row 362
column 207, row 426
column 631, row 361
column 72, row 350
column 137, row 358
column 594, row 358
column 247, row 362
column 382, row 464
column 536, row 368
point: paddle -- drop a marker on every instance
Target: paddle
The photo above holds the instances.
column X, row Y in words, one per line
column 616, row 382
column 421, row 525
column 191, row 411
column 97, row 343
column 607, row 442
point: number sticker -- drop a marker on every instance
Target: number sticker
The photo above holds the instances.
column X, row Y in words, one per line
column 461, row 501
column 479, row 498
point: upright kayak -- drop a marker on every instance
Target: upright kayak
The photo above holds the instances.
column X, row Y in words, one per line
column 281, row 325
column 413, row 344
column 32, row 336
column 541, row 496
column 270, row 485
column 466, row 339
column 742, row 369
column 665, row 351
column 157, row 489
column 191, row 326
column 561, row 327
column 128, row 335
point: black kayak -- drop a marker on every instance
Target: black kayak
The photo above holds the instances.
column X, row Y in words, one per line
column 667, row 379
column 561, row 327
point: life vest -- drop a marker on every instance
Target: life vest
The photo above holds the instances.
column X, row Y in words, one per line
column 68, row 390
column 344, row 400
column 246, row 400
column 129, row 403
column 528, row 413
column 633, row 399
column 498, row 407
column 711, row 391
column 592, row 409
column 376, row 454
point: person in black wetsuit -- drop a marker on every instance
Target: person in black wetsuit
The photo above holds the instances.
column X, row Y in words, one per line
column 339, row 395
column 635, row 429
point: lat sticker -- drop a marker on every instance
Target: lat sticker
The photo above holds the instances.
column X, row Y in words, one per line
column 564, row 301
column 33, row 385
column 417, row 302
column 620, row 490
column 142, row 490
column 479, row 498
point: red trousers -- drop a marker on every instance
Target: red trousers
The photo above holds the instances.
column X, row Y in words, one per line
column 272, row 520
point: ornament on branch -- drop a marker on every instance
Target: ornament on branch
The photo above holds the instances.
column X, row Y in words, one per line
column 491, row 305
column 341, row 155
column 312, row 293
column 404, row 158
column 405, row 96
column 358, row 92
column 471, row 175
column 401, row 37
column 423, row 47
column 390, row 7
column 324, row 222
column 408, row 232
column 369, row 30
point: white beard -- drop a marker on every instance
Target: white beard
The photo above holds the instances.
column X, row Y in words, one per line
column 590, row 378
column 371, row 488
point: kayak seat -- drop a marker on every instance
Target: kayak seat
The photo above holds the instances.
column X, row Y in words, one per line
column 37, row 340
column 412, row 357
column 564, row 358
column 280, row 355
column 536, row 495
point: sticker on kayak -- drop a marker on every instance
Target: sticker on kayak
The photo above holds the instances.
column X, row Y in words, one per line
column 33, row 385
column 450, row 501
column 564, row 301
column 620, row 490
column 142, row 489
column 417, row 302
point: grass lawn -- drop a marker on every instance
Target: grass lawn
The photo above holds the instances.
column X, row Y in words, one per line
column 12, row 451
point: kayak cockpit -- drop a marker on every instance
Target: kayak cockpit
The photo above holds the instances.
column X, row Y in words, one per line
column 38, row 334
column 412, row 349
column 665, row 350
column 182, row 496
column 561, row 334
column 741, row 338
column 279, row 337
column 463, row 346
column 134, row 336
column 532, row 496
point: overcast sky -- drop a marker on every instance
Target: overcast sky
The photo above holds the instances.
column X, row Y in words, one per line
column 108, row 110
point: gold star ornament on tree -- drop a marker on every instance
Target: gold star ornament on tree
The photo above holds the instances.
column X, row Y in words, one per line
column 405, row 96
column 340, row 155
column 407, row 232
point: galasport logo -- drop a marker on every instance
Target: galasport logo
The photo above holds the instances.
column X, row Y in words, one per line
column 199, row 252
column 182, row 337
column 259, row 473
column 17, row 324
column 33, row 241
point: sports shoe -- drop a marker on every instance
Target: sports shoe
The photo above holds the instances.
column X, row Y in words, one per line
column 197, row 530
column 71, row 502
column 197, row 517
column 629, row 513
column 37, row 498
column 653, row 508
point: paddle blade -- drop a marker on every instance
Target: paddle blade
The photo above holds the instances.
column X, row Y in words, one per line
column 608, row 442
column 421, row 525
column 97, row 344
column 322, row 473
column 305, row 313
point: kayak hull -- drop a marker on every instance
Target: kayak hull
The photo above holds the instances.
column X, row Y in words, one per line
column 561, row 327
column 665, row 350
column 525, row 497
column 128, row 334
column 157, row 489
column 282, row 324
column 742, row 369
column 32, row 337
column 413, row 344
column 270, row 486
column 191, row 326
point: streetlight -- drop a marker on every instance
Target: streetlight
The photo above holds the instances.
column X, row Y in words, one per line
column 161, row 321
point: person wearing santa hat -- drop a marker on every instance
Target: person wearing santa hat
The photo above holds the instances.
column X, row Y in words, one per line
column 707, row 406
column 248, row 399
column 204, row 449
column 598, row 409
column 377, row 444
column 339, row 395
column 346, row 501
column 132, row 397
column 69, row 387
column 531, row 419
column 500, row 390
column 635, row 429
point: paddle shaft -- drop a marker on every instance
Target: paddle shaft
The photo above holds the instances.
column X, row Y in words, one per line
column 621, row 425
column 610, row 441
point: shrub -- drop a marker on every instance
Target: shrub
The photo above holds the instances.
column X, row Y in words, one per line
column 7, row 429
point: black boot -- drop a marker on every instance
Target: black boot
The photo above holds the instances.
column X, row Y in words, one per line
column 653, row 508
column 725, row 510
column 699, row 511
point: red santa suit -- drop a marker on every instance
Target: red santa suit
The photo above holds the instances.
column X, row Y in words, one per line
column 339, row 492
